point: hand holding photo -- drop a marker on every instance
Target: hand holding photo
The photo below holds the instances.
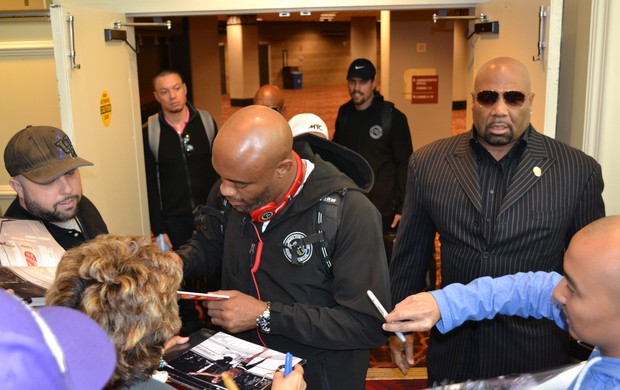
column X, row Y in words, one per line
column 201, row 296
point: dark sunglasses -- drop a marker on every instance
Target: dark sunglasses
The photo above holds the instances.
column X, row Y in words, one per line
column 189, row 148
column 513, row 99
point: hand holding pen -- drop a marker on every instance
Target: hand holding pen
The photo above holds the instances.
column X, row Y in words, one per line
column 416, row 313
column 384, row 313
column 293, row 381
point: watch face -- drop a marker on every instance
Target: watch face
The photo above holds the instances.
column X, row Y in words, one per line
column 264, row 324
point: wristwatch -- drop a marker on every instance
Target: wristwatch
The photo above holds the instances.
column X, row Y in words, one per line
column 263, row 321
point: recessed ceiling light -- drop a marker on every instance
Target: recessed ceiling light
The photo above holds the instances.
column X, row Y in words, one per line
column 305, row 13
column 327, row 16
column 284, row 14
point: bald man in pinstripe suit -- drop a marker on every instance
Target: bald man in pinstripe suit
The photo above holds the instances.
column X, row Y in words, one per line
column 504, row 199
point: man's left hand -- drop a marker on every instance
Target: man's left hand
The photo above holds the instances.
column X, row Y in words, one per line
column 237, row 313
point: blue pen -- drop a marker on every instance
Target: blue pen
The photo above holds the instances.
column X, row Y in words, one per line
column 161, row 243
column 288, row 364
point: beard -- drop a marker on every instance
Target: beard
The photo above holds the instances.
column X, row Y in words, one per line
column 248, row 207
column 498, row 140
column 53, row 214
column 358, row 98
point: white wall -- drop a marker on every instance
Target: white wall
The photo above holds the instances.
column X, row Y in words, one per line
column 116, row 184
column 518, row 38
column 460, row 87
column 364, row 38
column 25, row 50
column 428, row 122
column 187, row 7
column 573, row 73
column 601, row 135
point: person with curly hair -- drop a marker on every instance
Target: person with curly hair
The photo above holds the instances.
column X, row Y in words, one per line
column 128, row 286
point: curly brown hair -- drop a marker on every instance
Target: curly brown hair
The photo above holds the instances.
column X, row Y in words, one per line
column 128, row 286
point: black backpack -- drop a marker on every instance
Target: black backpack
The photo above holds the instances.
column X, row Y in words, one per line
column 327, row 217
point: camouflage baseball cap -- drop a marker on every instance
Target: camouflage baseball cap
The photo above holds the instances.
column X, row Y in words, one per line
column 41, row 154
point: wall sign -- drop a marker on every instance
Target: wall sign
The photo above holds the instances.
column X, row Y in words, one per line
column 105, row 109
column 424, row 89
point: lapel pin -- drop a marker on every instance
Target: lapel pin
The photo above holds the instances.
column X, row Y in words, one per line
column 537, row 171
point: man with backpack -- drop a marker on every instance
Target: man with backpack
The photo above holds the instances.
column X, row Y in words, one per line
column 378, row 131
column 297, row 244
column 179, row 173
column 177, row 150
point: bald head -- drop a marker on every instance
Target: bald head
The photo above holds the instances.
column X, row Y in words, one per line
column 253, row 155
column 597, row 246
column 501, row 104
column 253, row 133
column 594, row 254
column 271, row 96
column 506, row 69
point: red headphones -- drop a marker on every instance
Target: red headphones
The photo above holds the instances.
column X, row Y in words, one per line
column 268, row 211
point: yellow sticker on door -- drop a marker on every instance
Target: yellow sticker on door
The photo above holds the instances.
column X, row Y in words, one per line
column 105, row 109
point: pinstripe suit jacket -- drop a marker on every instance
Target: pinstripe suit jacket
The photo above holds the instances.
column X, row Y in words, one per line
column 537, row 218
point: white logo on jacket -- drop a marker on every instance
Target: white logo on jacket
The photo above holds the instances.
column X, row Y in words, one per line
column 376, row 132
column 292, row 244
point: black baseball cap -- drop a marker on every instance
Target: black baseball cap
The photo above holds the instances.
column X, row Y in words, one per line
column 361, row 68
column 41, row 154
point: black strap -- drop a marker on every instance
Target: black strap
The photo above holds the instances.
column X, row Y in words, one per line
column 386, row 117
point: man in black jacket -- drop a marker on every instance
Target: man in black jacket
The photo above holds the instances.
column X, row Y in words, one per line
column 282, row 291
column 504, row 198
column 379, row 132
column 44, row 172
column 179, row 174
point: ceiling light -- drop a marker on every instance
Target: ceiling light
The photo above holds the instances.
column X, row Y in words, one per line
column 305, row 13
column 327, row 16
column 284, row 14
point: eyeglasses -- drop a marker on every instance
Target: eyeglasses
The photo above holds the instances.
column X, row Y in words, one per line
column 189, row 148
column 514, row 99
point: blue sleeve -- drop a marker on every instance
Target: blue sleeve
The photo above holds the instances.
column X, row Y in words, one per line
column 522, row 294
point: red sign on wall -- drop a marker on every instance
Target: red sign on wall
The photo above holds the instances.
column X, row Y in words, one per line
column 424, row 89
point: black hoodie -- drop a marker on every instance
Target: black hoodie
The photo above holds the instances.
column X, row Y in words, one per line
column 326, row 319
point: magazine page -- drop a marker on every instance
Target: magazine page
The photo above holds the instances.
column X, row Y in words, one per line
column 27, row 243
column 250, row 366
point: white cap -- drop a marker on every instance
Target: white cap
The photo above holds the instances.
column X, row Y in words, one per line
column 308, row 123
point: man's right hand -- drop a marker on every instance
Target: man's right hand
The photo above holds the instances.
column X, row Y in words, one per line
column 165, row 236
column 294, row 380
column 167, row 240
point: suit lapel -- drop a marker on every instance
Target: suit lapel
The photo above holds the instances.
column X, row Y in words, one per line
column 533, row 165
column 462, row 163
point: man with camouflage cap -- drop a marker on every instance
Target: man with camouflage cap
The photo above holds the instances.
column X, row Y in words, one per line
column 44, row 173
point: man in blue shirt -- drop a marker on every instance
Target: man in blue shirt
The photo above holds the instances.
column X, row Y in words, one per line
column 586, row 301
